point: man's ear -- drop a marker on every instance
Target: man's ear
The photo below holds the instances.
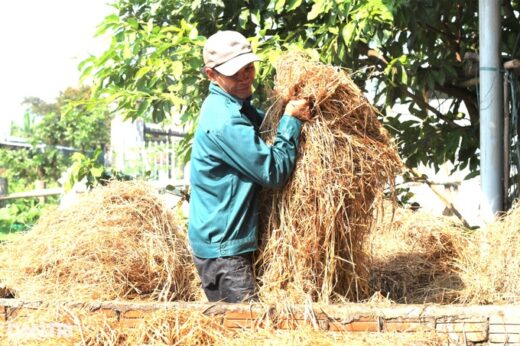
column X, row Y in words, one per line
column 212, row 75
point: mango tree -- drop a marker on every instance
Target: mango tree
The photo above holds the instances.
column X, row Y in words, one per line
column 407, row 52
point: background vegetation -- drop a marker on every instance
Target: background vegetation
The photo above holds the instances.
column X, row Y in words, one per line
column 406, row 52
column 54, row 131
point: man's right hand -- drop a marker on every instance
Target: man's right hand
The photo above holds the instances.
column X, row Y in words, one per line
column 299, row 109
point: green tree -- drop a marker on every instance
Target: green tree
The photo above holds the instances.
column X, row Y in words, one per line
column 70, row 122
column 411, row 52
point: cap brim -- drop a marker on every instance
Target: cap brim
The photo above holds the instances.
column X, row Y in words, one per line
column 232, row 66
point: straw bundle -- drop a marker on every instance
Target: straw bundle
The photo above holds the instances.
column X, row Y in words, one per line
column 118, row 241
column 490, row 265
column 413, row 257
column 187, row 328
column 197, row 329
column 166, row 328
column 60, row 325
column 314, row 228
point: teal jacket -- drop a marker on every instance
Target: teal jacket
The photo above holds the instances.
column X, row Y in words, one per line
column 229, row 163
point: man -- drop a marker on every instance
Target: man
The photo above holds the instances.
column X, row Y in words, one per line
column 229, row 164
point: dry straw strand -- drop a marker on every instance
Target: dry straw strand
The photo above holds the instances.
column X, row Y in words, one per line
column 190, row 328
column 413, row 257
column 313, row 229
column 118, row 241
column 489, row 265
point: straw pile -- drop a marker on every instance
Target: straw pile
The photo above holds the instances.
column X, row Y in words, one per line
column 116, row 242
column 313, row 229
column 82, row 327
column 489, row 266
column 413, row 257
column 164, row 328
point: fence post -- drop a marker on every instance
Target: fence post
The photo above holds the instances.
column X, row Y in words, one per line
column 40, row 185
column 3, row 190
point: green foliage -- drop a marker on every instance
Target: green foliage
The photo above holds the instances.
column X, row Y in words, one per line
column 411, row 52
column 86, row 125
column 49, row 128
column 86, row 168
column 41, row 160
column 91, row 171
column 22, row 168
column 19, row 168
column 71, row 122
column 19, row 216
column 152, row 69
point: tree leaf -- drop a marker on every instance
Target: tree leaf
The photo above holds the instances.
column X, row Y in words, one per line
column 293, row 4
column 279, row 4
column 348, row 33
column 142, row 71
column 144, row 107
column 133, row 23
column 176, row 69
column 97, row 171
column 255, row 18
column 316, row 10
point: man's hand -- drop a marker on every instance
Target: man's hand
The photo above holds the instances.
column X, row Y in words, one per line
column 299, row 109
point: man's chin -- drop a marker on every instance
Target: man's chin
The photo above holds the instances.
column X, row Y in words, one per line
column 244, row 95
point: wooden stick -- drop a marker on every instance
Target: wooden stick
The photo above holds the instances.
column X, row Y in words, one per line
column 441, row 196
column 34, row 193
column 512, row 64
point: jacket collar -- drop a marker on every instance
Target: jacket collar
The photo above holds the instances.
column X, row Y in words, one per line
column 214, row 88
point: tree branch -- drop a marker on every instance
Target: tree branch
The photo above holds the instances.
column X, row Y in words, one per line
column 422, row 103
column 508, row 9
column 448, row 35
column 378, row 56
column 464, row 95
column 452, row 40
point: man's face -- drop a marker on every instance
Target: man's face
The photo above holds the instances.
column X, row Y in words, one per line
column 239, row 85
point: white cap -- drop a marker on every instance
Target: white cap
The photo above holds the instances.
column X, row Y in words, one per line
column 227, row 52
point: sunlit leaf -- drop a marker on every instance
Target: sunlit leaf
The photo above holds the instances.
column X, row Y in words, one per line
column 279, row 4
column 293, row 4
column 316, row 10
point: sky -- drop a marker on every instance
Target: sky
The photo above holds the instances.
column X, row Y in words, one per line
column 41, row 45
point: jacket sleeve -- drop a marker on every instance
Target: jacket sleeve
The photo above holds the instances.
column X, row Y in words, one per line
column 267, row 165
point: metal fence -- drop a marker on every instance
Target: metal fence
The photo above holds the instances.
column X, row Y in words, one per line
column 148, row 152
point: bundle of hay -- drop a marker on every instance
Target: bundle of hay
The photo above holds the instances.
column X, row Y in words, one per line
column 178, row 327
column 118, row 241
column 181, row 328
column 314, row 228
column 412, row 257
column 80, row 326
column 489, row 266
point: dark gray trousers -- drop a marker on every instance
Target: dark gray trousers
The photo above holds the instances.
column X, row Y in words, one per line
column 229, row 279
